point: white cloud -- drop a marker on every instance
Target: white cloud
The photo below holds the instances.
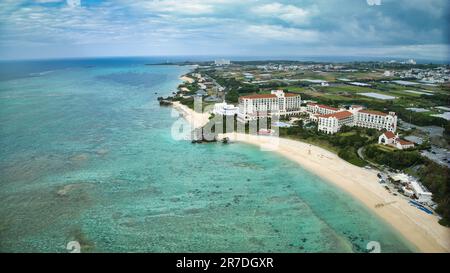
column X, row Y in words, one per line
column 220, row 26
column 73, row 3
column 48, row 1
column 374, row 2
column 278, row 33
column 287, row 13
column 190, row 7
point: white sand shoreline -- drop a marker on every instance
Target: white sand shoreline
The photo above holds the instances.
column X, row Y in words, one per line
column 420, row 229
column 195, row 119
column 185, row 78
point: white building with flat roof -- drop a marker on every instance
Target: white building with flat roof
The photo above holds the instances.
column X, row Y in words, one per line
column 423, row 196
column 224, row 109
column 412, row 187
column 266, row 105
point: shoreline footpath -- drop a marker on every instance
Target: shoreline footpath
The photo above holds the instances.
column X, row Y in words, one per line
column 420, row 229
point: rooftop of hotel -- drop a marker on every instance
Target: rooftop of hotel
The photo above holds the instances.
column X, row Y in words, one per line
column 338, row 115
column 267, row 96
column 259, row 96
column 323, row 106
column 372, row 112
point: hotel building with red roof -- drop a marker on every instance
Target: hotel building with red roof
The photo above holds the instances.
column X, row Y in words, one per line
column 389, row 138
column 332, row 119
column 321, row 109
column 332, row 123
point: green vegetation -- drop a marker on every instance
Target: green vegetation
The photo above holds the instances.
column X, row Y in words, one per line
column 193, row 87
column 435, row 178
column 232, row 96
column 350, row 154
column 397, row 159
column 189, row 102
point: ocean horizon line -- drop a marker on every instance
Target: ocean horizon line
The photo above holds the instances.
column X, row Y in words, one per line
column 241, row 58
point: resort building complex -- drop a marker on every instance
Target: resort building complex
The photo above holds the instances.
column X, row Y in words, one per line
column 334, row 119
column 276, row 103
column 330, row 119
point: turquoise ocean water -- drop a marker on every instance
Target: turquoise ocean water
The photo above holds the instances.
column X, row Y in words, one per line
column 87, row 155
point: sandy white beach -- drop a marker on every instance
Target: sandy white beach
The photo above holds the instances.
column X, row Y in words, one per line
column 195, row 119
column 419, row 228
column 187, row 79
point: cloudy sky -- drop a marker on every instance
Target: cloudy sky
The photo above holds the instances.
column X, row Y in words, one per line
column 84, row 28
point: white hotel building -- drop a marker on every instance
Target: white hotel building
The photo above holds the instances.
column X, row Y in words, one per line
column 332, row 123
column 356, row 116
column 224, row 109
column 321, row 109
column 267, row 105
column 376, row 120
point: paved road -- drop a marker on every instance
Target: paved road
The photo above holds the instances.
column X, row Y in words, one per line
column 360, row 153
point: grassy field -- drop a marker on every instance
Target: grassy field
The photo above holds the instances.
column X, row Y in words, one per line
column 386, row 148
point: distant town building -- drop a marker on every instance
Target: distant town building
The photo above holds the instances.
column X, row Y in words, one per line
column 197, row 75
column 222, row 62
column 389, row 138
column 411, row 61
column 266, row 105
